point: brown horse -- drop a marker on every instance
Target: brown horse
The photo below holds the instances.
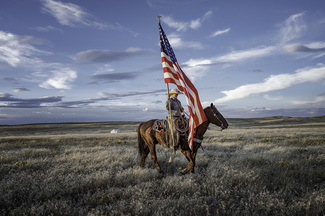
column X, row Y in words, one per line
column 148, row 138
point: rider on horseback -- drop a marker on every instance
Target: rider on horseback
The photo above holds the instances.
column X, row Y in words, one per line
column 175, row 104
column 176, row 121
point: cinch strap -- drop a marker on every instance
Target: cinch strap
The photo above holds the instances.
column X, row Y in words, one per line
column 197, row 140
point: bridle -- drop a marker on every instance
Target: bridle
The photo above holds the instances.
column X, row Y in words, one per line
column 216, row 114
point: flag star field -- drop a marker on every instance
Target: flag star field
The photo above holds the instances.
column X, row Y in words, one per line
column 98, row 60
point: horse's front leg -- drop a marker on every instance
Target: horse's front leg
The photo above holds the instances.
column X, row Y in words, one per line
column 189, row 157
column 193, row 154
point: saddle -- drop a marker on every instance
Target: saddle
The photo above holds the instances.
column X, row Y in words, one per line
column 181, row 125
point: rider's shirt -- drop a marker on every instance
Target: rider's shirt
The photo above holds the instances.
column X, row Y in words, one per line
column 175, row 105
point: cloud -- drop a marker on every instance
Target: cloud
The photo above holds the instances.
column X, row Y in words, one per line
column 113, row 77
column 9, row 79
column 103, row 96
column 275, row 82
column 302, row 48
column 195, row 24
column 254, row 112
column 318, row 99
column 196, row 68
column 8, row 101
column 150, row 3
column 69, row 14
column 128, row 94
column 255, row 70
column 219, row 32
column 243, row 55
column 76, row 104
column 102, row 76
column 294, row 27
column 232, row 57
column 184, row 26
column 195, row 72
column 176, row 42
column 48, row 28
column 105, row 56
column 20, row 89
column 61, row 79
column 273, row 98
column 18, row 50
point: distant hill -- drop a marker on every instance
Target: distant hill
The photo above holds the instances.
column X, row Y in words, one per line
column 277, row 121
column 127, row 127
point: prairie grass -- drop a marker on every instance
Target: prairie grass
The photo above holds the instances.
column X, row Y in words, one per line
column 265, row 166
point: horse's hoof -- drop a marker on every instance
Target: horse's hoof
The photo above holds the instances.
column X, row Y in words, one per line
column 182, row 173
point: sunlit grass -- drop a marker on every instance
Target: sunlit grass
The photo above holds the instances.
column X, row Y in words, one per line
column 241, row 171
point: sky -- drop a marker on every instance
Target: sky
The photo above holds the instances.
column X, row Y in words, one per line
column 99, row 60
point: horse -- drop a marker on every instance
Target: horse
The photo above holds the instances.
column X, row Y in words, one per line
column 148, row 138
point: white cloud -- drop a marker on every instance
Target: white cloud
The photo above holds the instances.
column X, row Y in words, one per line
column 179, row 26
column 319, row 56
column 275, row 82
column 196, row 68
column 17, row 50
column 234, row 56
column 193, row 74
column 273, row 98
column 69, row 14
column 242, row 55
column 20, row 89
column 47, row 29
column 177, row 42
column 317, row 99
column 317, row 45
column 195, row 24
column 294, row 27
column 183, row 26
column 61, row 79
column 219, row 32
column 313, row 47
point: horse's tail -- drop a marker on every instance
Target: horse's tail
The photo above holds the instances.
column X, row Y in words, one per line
column 141, row 143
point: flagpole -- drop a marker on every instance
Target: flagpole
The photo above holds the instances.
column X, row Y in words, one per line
column 169, row 119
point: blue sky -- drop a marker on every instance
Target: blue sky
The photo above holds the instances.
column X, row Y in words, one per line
column 98, row 60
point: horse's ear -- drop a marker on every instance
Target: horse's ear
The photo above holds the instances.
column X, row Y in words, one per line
column 211, row 105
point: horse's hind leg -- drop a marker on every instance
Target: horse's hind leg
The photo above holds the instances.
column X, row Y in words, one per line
column 150, row 147
column 144, row 156
column 152, row 150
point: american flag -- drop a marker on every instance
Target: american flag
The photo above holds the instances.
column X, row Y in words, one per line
column 174, row 74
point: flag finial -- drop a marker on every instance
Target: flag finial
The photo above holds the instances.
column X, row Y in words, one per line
column 158, row 17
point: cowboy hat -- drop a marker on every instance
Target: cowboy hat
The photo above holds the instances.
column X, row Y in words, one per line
column 174, row 91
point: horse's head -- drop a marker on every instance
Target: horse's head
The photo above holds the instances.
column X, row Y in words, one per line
column 215, row 117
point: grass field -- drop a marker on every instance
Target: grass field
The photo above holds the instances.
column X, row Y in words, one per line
column 259, row 166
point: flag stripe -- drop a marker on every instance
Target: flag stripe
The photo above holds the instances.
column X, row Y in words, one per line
column 174, row 74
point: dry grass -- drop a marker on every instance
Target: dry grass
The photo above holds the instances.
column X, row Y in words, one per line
column 266, row 166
